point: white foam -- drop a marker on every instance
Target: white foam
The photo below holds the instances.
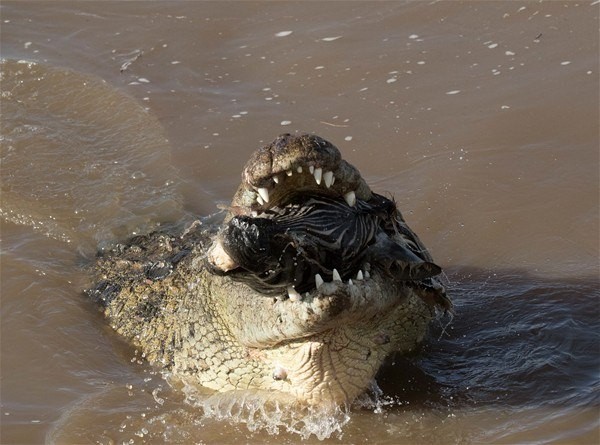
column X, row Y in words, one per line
column 258, row 410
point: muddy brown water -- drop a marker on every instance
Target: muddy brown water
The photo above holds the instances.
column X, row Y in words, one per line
column 481, row 118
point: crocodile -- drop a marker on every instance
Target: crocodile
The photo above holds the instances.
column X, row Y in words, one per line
column 305, row 286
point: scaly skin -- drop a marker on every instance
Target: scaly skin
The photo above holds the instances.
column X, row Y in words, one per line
column 160, row 292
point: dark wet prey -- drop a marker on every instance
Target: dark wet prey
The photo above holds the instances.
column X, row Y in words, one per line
column 315, row 239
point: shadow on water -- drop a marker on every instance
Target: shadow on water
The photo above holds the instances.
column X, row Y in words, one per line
column 517, row 340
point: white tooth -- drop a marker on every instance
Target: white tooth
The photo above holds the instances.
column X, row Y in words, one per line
column 299, row 169
column 336, row 275
column 328, row 178
column 350, row 198
column 311, row 169
column 264, row 194
column 318, row 280
column 318, row 173
column 350, row 283
column 260, row 200
column 367, row 274
column 293, row 294
column 289, row 172
column 359, row 275
column 276, row 179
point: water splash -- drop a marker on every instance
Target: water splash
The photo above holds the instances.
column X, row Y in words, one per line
column 265, row 411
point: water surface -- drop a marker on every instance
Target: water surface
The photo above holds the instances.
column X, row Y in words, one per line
column 481, row 118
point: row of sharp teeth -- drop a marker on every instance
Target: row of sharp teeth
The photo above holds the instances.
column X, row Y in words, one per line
column 328, row 178
column 295, row 296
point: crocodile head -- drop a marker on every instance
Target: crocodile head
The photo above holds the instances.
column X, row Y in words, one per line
column 322, row 275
